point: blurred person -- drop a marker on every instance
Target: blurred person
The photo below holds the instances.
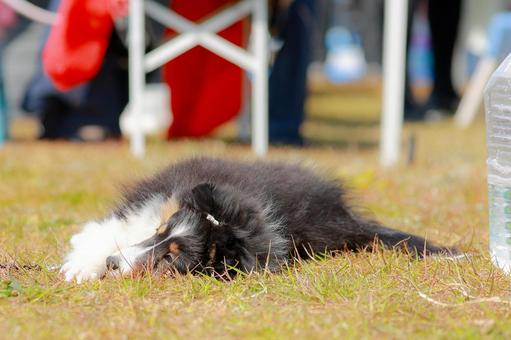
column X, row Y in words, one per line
column 89, row 111
column 294, row 23
column 444, row 19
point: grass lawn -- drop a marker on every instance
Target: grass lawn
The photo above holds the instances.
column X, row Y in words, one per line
column 47, row 190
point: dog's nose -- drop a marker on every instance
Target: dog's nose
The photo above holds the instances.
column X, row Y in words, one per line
column 112, row 262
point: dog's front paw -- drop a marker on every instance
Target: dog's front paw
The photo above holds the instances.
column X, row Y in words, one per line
column 82, row 270
column 86, row 261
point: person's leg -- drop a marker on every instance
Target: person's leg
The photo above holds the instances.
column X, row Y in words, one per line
column 411, row 107
column 288, row 80
column 444, row 17
column 97, row 103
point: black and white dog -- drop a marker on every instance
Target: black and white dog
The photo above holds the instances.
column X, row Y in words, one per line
column 221, row 217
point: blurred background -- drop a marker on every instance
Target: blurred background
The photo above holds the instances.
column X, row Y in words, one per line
column 70, row 81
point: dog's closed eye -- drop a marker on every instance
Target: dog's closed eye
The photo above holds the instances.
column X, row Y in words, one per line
column 174, row 248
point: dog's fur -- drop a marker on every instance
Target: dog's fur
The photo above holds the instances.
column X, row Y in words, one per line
column 221, row 217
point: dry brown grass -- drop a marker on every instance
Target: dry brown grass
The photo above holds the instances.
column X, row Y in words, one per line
column 46, row 190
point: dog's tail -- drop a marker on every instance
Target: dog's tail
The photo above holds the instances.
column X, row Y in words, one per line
column 395, row 239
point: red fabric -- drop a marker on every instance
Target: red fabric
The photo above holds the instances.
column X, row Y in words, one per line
column 76, row 46
column 206, row 90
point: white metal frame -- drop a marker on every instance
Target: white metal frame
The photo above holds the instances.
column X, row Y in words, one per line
column 394, row 64
column 190, row 35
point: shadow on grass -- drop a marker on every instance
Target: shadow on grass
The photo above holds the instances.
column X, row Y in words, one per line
column 316, row 142
column 344, row 122
column 342, row 143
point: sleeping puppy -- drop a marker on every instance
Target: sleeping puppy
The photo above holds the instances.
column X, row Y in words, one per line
column 222, row 217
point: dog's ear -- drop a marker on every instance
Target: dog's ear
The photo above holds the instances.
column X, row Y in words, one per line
column 202, row 198
column 222, row 202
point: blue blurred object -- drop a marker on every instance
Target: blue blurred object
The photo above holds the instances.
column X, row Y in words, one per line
column 472, row 60
column 345, row 61
column 499, row 35
column 420, row 54
column 476, row 48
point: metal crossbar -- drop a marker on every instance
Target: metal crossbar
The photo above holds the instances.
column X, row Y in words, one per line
column 192, row 34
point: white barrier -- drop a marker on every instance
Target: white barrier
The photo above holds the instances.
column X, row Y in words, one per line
column 190, row 35
column 394, row 64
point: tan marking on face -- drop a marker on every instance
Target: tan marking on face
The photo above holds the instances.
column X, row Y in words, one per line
column 162, row 229
column 168, row 208
column 174, row 248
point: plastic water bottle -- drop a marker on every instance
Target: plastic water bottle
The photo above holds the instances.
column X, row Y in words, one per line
column 498, row 124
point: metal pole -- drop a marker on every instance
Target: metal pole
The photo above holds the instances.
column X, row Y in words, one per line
column 136, row 71
column 260, row 78
column 394, row 57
